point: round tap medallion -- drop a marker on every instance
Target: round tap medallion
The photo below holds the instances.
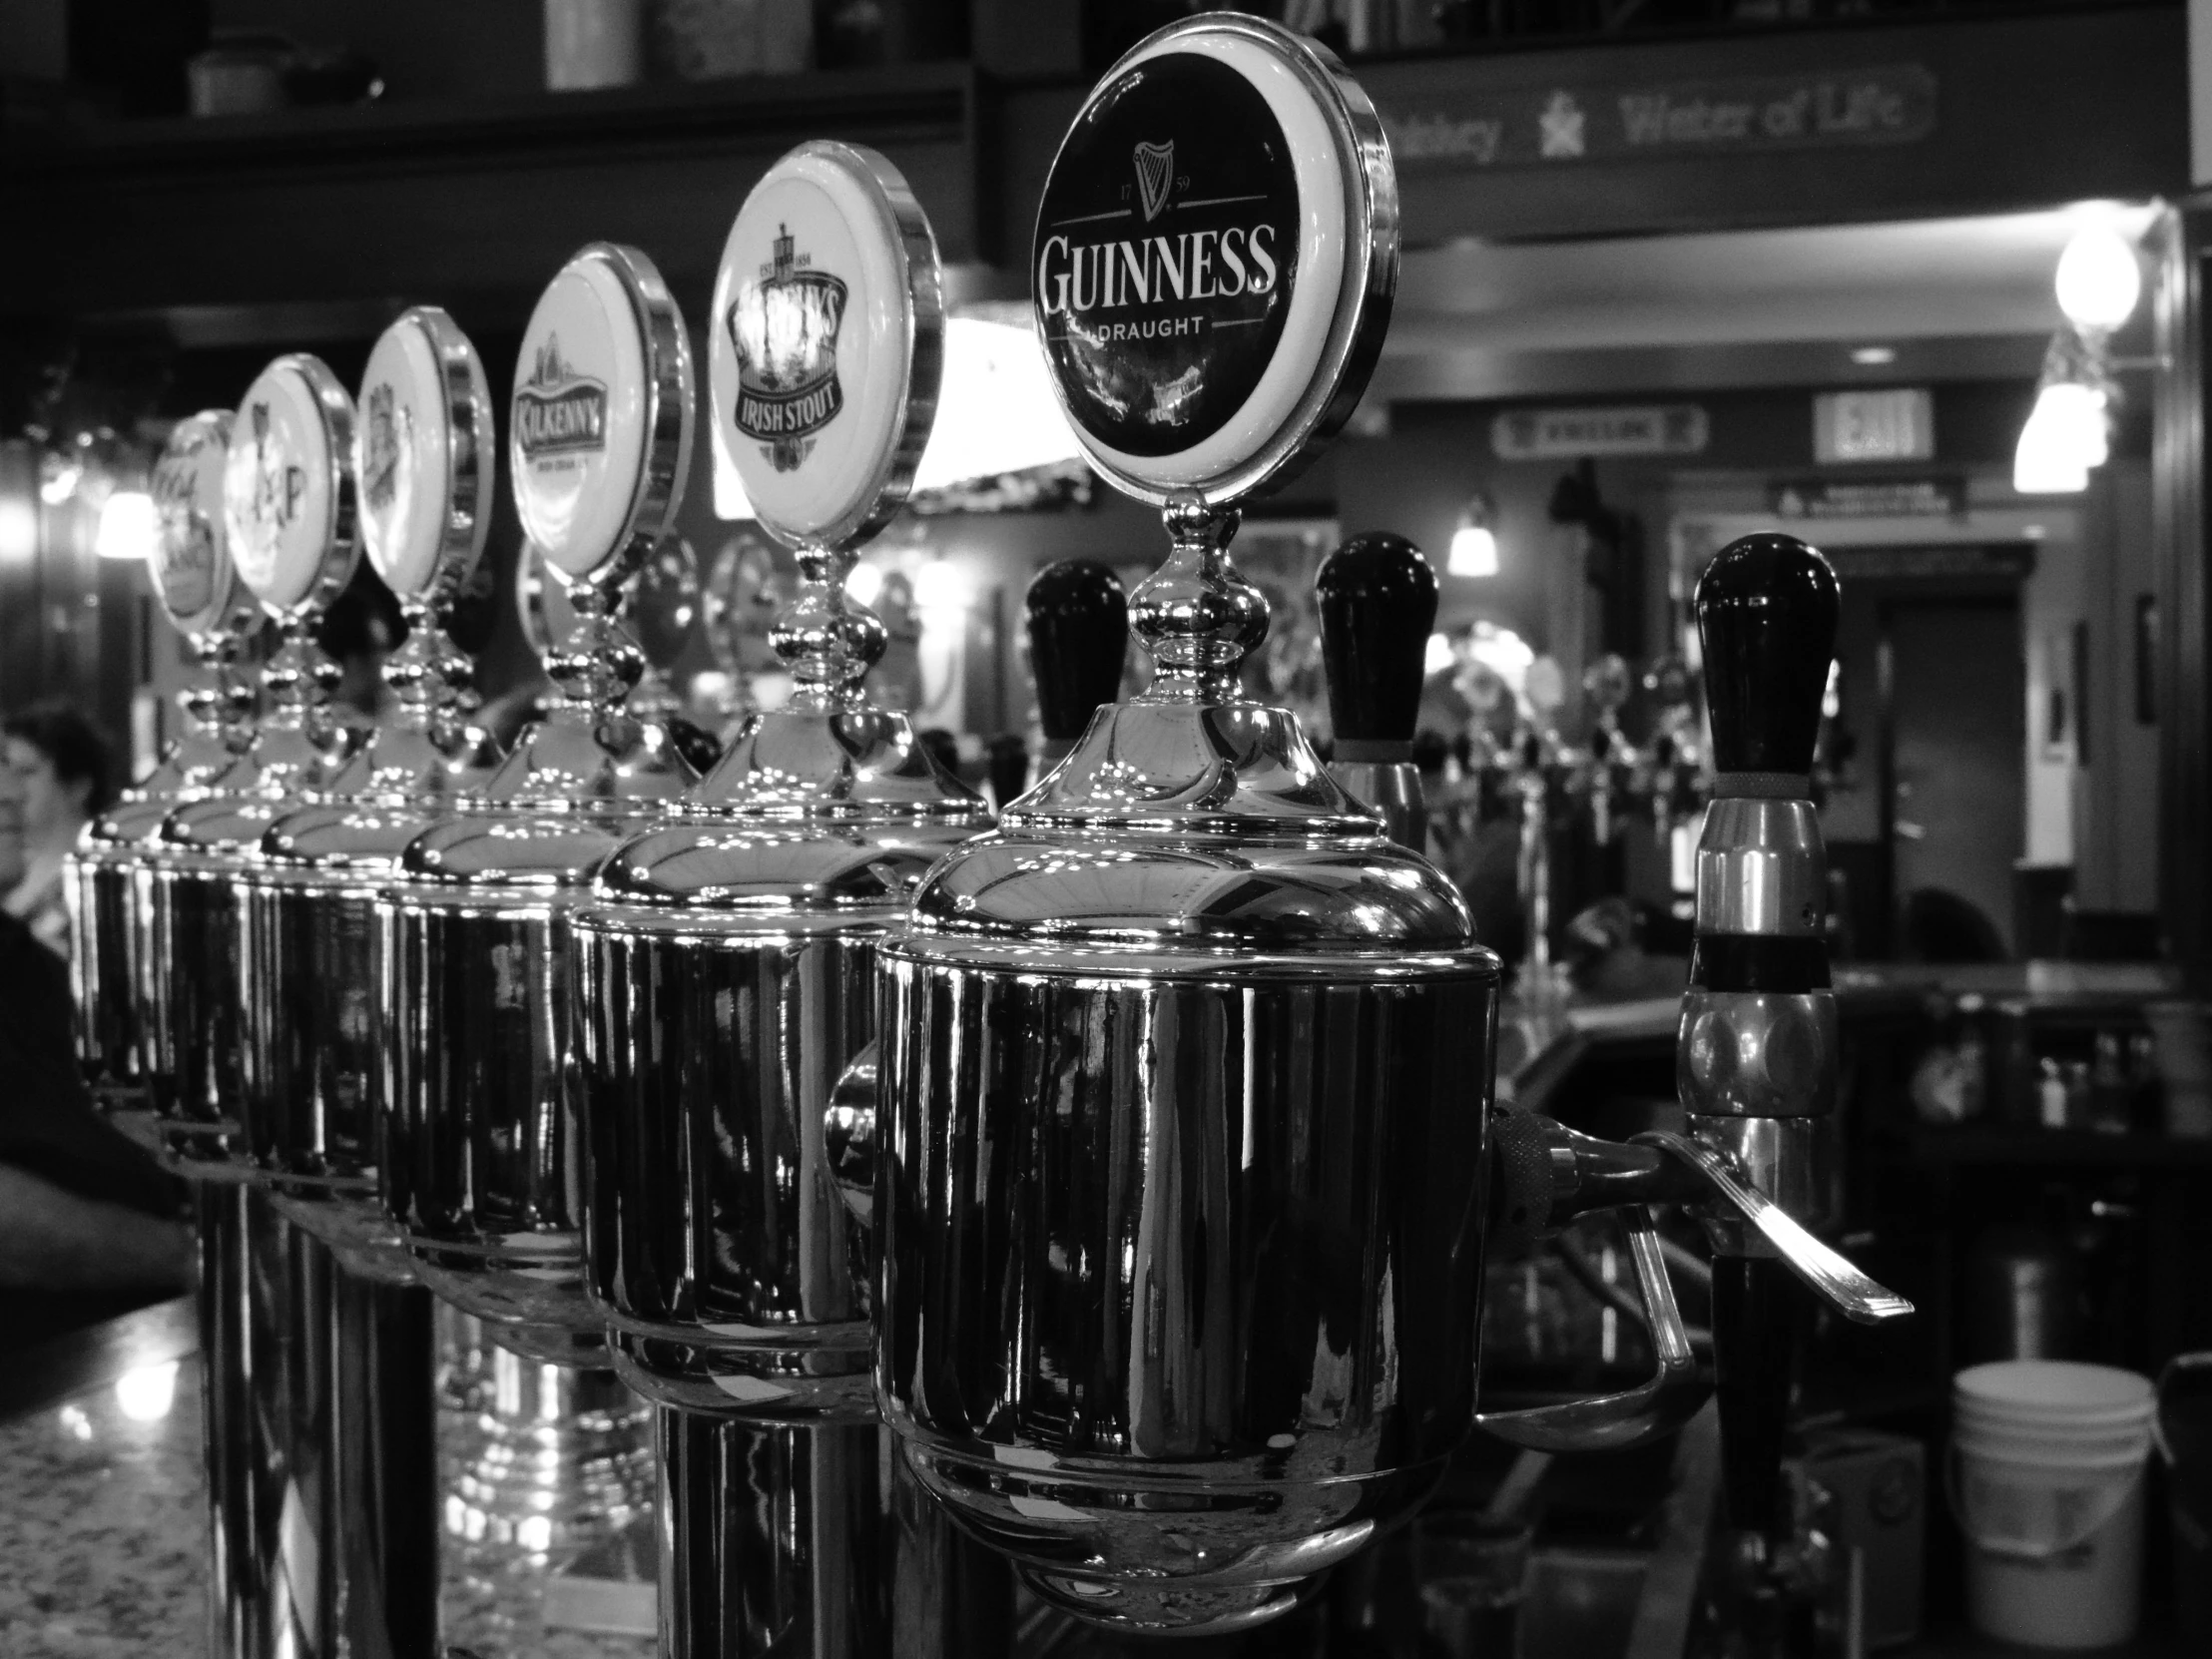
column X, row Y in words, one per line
column 600, row 436
column 1215, row 254
column 288, row 486
column 826, row 343
column 190, row 568
column 424, row 454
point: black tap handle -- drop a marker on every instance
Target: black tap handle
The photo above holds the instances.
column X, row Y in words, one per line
column 1078, row 638
column 1766, row 610
column 1378, row 601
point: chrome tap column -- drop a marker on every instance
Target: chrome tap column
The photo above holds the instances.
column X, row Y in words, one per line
column 1757, row 1056
column 1377, row 597
column 725, row 967
column 312, row 1055
column 1180, row 1117
column 109, row 886
column 288, row 507
column 480, row 1162
column 314, row 1049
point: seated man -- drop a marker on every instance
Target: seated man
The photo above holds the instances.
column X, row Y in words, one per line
column 89, row 1224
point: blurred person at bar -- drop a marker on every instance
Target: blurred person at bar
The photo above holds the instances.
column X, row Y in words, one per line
column 89, row 1223
column 63, row 770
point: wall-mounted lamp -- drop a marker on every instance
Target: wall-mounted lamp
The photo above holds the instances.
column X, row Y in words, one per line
column 1473, row 542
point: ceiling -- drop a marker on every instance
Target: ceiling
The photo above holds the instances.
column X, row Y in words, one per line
column 1953, row 298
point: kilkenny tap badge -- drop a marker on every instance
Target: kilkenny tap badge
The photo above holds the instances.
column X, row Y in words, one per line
column 784, row 327
column 559, row 410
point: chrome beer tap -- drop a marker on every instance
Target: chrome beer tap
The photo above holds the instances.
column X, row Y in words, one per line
column 725, row 965
column 1177, row 1143
column 288, row 509
column 1376, row 598
column 288, row 506
column 1614, row 765
column 479, row 1160
column 1757, row 1056
column 109, row 886
column 313, row 1051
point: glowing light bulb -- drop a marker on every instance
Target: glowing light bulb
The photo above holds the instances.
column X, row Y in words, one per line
column 2098, row 278
column 1473, row 552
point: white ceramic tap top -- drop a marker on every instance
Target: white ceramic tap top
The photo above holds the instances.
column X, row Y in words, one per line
column 826, row 343
column 191, row 570
column 287, row 487
column 599, row 437
column 424, row 454
column 1215, row 254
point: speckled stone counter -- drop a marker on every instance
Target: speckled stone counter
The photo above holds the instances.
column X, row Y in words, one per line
column 104, row 1527
column 103, row 1531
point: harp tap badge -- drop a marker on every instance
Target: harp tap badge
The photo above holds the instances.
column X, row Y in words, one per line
column 1155, row 176
column 783, row 327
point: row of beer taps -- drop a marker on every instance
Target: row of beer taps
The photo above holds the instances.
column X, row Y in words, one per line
column 1094, row 1199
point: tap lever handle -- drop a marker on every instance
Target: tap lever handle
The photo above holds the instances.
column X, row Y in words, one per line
column 1376, row 599
column 1766, row 610
column 1078, row 640
column 1849, row 1292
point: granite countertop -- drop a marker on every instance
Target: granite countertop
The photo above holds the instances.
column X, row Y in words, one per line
column 102, row 1518
column 103, row 1533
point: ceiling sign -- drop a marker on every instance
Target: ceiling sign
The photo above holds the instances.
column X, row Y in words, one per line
column 2010, row 560
column 1639, row 429
column 1451, row 130
column 1834, row 498
column 1895, row 425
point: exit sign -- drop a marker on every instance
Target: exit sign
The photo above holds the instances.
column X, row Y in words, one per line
column 1895, row 425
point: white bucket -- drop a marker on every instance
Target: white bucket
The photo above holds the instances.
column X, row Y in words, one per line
column 2046, row 1479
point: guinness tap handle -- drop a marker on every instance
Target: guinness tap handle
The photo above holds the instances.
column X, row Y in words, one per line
column 1377, row 597
column 1766, row 610
column 1078, row 639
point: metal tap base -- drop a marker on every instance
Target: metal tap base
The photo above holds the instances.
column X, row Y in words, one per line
column 320, row 1452
column 814, row 1542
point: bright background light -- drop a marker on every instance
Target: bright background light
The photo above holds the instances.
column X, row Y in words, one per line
column 1473, row 552
column 939, row 587
column 863, row 584
column 2064, row 437
column 1439, row 657
column 129, row 526
column 996, row 412
column 146, row 1393
column 2099, row 279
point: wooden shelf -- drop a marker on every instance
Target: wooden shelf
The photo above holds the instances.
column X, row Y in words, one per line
column 434, row 202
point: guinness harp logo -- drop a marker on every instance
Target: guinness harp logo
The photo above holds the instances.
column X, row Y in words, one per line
column 783, row 327
column 1155, row 175
column 559, row 411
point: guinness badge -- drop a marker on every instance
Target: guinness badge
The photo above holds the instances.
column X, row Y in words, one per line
column 1216, row 245
column 426, row 454
column 823, row 364
column 287, row 487
column 599, row 436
